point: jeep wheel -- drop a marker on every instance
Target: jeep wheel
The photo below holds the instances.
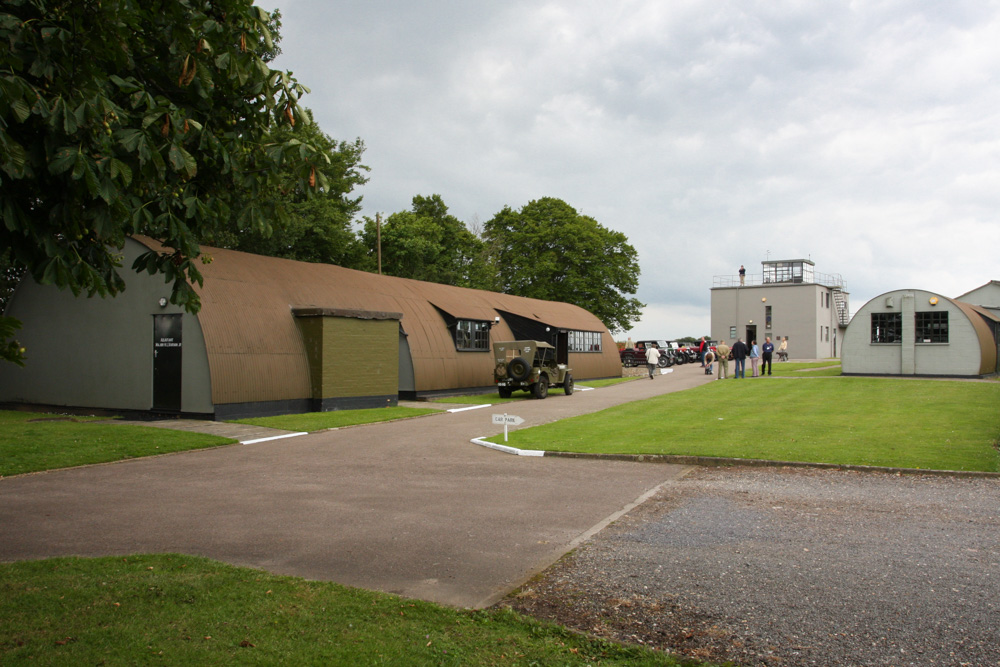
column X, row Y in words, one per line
column 505, row 392
column 519, row 369
column 541, row 388
column 568, row 385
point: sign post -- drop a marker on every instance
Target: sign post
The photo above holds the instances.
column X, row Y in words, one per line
column 506, row 420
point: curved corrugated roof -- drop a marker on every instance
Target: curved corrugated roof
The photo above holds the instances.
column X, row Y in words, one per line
column 987, row 344
column 256, row 353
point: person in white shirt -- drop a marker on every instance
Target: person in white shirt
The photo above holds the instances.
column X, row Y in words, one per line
column 652, row 358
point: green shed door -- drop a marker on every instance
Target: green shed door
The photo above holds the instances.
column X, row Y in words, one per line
column 167, row 346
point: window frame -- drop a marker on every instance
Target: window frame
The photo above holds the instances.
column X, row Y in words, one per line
column 924, row 327
column 886, row 326
column 472, row 335
column 584, row 342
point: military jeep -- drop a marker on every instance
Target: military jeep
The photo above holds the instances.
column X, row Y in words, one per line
column 529, row 365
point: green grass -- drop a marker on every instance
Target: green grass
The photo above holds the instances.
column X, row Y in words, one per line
column 802, row 369
column 183, row 610
column 943, row 425
column 494, row 398
column 32, row 441
column 318, row 421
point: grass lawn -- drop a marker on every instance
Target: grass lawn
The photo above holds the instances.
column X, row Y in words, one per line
column 33, row 441
column 318, row 421
column 183, row 610
column 935, row 424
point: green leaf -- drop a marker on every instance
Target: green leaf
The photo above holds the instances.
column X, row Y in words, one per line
column 182, row 161
column 64, row 159
column 122, row 171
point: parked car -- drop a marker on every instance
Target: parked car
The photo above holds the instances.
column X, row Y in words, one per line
column 636, row 356
column 529, row 365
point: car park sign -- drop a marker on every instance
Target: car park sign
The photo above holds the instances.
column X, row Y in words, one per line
column 507, row 420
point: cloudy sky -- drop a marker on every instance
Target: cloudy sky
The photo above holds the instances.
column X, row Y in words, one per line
column 862, row 135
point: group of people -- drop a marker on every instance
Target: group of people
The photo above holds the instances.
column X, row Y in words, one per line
column 740, row 352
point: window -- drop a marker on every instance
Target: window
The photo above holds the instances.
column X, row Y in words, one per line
column 584, row 341
column 472, row 335
column 887, row 327
column 827, row 335
column 932, row 327
column 732, row 333
column 767, row 317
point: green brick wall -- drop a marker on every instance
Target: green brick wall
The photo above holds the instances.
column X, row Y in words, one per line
column 351, row 357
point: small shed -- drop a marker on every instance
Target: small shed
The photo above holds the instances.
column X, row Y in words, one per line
column 916, row 332
column 277, row 336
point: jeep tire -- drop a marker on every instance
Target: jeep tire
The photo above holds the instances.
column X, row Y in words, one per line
column 541, row 388
column 568, row 385
column 519, row 369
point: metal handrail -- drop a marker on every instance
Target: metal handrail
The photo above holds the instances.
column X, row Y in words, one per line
column 832, row 280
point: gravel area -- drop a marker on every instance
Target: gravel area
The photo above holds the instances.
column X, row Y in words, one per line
column 763, row 566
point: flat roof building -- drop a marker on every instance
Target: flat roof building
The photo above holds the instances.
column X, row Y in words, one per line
column 788, row 298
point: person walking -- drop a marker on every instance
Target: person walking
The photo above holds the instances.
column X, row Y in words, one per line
column 766, row 355
column 652, row 357
column 754, row 357
column 740, row 352
column 722, row 356
column 702, row 346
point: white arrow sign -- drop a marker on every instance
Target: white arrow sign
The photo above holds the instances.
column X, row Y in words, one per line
column 512, row 420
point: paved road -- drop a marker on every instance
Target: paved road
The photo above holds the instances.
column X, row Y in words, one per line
column 408, row 507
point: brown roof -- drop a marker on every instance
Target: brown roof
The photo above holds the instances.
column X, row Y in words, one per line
column 256, row 353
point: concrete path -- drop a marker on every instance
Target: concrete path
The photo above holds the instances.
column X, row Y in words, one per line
column 409, row 507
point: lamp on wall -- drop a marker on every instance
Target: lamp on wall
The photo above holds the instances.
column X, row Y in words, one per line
column 933, row 300
column 496, row 319
column 763, row 299
column 162, row 302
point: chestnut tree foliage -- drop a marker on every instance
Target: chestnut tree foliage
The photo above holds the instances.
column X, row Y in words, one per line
column 155, row 117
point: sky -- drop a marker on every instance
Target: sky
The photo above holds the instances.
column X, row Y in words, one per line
column 864, row 136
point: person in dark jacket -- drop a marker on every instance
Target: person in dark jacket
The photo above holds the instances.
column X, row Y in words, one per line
column 740, row 352
column 765, row 354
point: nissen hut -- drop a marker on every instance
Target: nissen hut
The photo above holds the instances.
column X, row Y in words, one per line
column 277, row 336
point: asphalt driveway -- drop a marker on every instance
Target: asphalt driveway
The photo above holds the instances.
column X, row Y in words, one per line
column 409, row 507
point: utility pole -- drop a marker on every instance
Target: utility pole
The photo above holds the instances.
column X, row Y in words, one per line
column 378, row 240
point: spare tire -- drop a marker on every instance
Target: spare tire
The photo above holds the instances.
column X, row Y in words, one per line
column 519, row 369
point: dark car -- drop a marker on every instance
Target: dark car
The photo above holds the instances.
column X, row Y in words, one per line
column 636, row 355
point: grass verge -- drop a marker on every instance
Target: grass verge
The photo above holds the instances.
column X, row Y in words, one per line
column 493, row 398
column 319, row 421
column 934, row 424
column 802, row 368
column 187, row 610
column 32, row 441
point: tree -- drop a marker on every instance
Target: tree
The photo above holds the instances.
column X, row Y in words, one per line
column 424, row 243
column 318, row 227
column 121, row 117
column 549, row 251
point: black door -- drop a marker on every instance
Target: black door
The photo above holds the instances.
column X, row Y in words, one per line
column 562, row 347
column 751, row 334
column 167, row 362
